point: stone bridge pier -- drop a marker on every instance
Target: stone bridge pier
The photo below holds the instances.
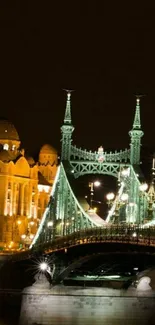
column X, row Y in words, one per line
column 42, row 305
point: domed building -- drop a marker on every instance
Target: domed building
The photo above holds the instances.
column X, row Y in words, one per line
column 48, row 160
column 9, row 137
column 25, row 188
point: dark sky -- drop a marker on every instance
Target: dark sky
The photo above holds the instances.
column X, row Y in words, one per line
column 105, row 52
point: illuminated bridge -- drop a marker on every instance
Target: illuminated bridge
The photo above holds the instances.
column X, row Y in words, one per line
column 131, row 217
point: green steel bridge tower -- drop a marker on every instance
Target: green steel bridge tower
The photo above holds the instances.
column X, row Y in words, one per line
column 132, row 205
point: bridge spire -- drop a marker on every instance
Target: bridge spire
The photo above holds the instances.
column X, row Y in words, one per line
column 137, row 122
column 67, row 118
column 67, row 130
column 136, row 133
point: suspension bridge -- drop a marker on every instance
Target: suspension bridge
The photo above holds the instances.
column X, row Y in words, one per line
column 132, row 212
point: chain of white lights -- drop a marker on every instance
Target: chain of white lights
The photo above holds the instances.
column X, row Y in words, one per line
column 79, row 206
column 112, row 210
column 46, row 210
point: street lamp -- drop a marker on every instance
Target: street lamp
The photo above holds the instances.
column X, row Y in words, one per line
column 97, row 183
column 110, row 196
column 124, row 197
column 92, row 185
column 143, row 187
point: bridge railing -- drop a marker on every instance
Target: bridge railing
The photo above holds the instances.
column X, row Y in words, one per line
column 133, row 235
column 115, row 234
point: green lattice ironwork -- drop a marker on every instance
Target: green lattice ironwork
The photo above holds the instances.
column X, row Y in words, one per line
column 131, row 206
column 64, row 214
column 83, row 162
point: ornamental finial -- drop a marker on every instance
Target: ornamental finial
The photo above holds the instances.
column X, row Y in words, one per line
column 137, row 122
column 67, row 118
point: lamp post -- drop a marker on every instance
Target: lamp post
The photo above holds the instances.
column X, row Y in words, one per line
column 110, row 196
column 92, row 185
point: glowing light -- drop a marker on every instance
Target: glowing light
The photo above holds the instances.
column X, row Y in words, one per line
column 43, row 188
column 134, row 235
column 110, row 196
column 97, row 183
column 23, row 236
column 46, row 210
column 43, row 266
column 19, row 222
column 31, row 236
column 143, row 187
column 132, row 204
column 32, row 223
column 6, row 146
column 112, row 276
column 50, row 224
column 137, row 100
column 125, row 172
column 124, row 197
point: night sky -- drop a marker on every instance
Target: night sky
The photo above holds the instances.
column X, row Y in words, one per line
column 104, row 52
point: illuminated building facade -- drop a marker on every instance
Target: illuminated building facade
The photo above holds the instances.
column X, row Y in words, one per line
column 25, row 186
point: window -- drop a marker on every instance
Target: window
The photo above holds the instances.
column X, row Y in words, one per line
column 6, row 146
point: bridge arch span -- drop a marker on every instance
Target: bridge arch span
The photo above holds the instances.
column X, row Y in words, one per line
column 115, row 254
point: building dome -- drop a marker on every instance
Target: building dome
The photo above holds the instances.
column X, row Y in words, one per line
column 4, row 156
column 47, row 149
column 30, row 161
column 8, row 131
column 47, row 154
